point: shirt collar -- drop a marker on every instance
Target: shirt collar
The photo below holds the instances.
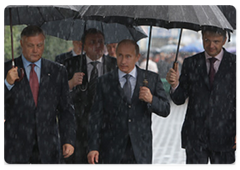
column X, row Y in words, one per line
column 218, row 57
column 89, row 60
column 133, row 73
column 26, row 62
column 73, row 53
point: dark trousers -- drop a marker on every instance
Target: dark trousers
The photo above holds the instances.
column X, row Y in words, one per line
column 35, row 157
column 203, row 156
column 128, row 156
column 33, row 160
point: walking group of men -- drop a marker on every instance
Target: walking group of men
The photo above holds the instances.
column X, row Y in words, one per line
column 96, row 108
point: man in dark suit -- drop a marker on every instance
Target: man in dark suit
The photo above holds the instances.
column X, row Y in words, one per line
column 77, row 49
column 82, row 83
column 209, row 128
column 111, row 48
column 120, row 120
column 31, row 126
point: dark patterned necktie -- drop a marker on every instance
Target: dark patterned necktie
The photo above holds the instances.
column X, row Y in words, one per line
column 212, row 71
column 127, row 89
column 33, row 81
column 93, row 80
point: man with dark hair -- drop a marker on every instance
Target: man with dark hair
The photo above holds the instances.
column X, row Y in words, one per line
column 111, row 48
column 77, row 49
column 120, row 119
column 33, row 104
column 82, row 83
column 208, row 79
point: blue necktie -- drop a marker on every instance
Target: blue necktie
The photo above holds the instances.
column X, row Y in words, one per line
column 127, row 89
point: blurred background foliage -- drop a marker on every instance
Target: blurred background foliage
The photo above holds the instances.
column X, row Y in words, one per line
column 53, row 45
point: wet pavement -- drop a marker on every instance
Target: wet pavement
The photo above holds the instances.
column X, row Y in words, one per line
column 167, row 136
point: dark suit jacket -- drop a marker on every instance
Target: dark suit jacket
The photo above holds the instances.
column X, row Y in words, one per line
column 112, row 120
column 81, row 100
column 62, row 57
column 211, row 115
column 25, row 122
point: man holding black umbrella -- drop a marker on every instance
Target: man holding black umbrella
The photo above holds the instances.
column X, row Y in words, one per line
column 33, row 104
column 83, row 72
column 208, row 79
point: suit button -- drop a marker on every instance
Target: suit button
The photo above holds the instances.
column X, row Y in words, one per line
column 129, row 106
column 129, row 120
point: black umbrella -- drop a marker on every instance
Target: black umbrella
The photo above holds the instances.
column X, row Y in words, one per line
column 35, row 15
column 230, row 13
column 189, row 17
column 73, row 29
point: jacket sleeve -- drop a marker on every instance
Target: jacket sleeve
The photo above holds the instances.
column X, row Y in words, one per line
column 67, row 124
column 95, row 119
column 160, row 104
column 181, row 93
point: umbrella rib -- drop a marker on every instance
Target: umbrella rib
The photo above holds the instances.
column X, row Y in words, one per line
column 38, row 8
column 60, row 13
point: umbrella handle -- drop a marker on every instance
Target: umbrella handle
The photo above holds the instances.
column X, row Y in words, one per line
column 175, row 64
column 20, row 72
column 21, row 75
column 145, row 82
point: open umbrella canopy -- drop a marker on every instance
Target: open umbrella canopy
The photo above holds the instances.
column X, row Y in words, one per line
column 193, row 17
column 173, row 16
column 230, row 13
column 37, row 15
column 73, row 29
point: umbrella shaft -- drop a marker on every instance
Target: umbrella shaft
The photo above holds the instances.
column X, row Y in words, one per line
column 179, row 41
column 149, row 44
column 10, row 17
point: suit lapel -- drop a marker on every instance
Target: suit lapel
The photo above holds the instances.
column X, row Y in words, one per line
column 116, row 84
column 106, row 65
column 44, row 79
column 139, row 82
column 24, row 82
column 202, row 68
column 224, row 67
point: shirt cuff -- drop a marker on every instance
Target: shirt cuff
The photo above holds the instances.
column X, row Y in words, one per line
column 172, row 90
column 8, row 85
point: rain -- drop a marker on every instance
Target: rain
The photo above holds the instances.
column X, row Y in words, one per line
column 166, row 131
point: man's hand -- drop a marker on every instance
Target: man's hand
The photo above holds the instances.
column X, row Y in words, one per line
column 173, row 77
column 76, row 80
column 235, row 146
column 3, row 121
column 93, row 157
column 145, row 94
column 12, row 75
column 68, row 150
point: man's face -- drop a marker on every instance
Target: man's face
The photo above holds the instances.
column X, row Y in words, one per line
column 77, row 47
column 94, row 46
column 126, row 57
column 213, row 43
column 33, row 47
column 111, row 48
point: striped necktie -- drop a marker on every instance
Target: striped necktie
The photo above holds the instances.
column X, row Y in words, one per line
column 93, row 80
